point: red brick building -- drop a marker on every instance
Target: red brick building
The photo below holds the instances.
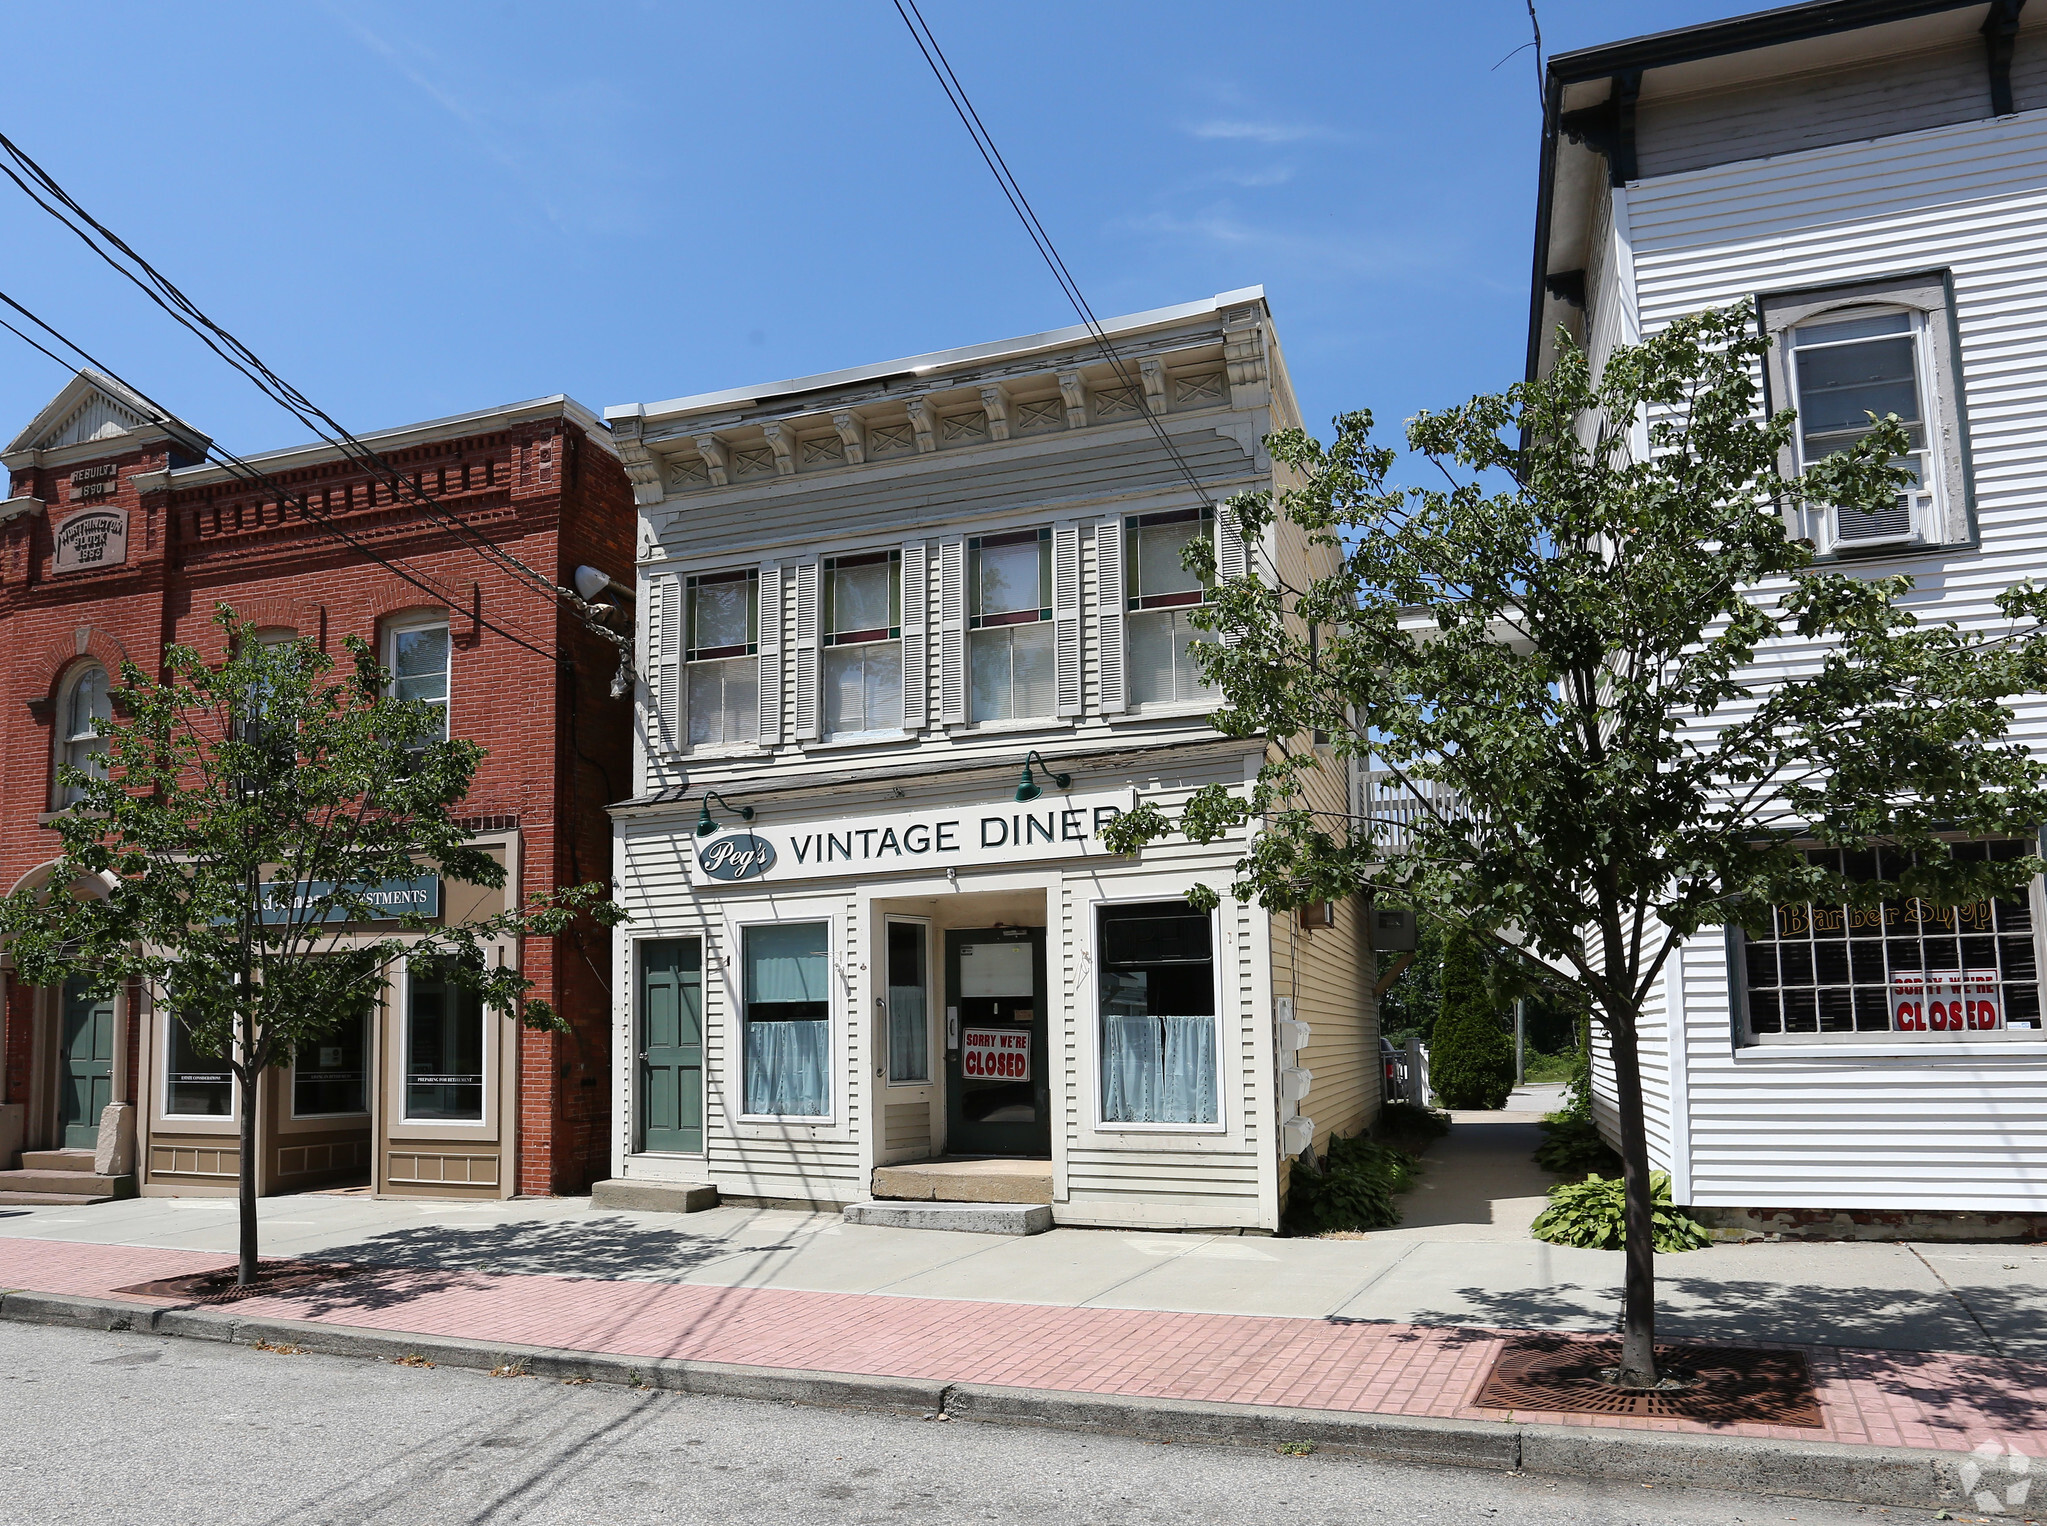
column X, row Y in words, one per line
column 116, row 541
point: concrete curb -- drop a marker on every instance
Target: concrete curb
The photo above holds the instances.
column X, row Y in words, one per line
column 1903, row 1477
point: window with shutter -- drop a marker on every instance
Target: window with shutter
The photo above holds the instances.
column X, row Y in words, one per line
column 1066, row 618
column 720, row 659
column 667, row 667
column 1009, row 626
column 863, row 644
column 1112, row 693
column 916, row 656
column 769, row 658
column 805, row 640
column 952, row 633
column 1160, row 596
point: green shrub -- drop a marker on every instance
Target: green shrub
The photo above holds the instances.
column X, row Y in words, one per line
column 1354, row 1189
column 1409, row 1126
column 1471, row 1061
column 1571, row 1146
column 1592, row 1213
column 1548, row 1069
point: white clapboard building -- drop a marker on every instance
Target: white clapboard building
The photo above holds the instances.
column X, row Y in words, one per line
column 914, row 634
column 1874, row 177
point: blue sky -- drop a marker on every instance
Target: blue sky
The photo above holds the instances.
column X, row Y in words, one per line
column 412, row 210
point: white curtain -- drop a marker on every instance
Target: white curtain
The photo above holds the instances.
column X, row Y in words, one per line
column 786, row 963
column 1158, row 1069
column 908, row 1053
column 786, row 1068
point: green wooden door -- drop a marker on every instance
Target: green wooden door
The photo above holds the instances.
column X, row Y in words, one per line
column 86, row 1085
column 672, row 1046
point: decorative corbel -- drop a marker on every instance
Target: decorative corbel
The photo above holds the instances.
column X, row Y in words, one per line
column 1244, row 351
column 852, row 435
column 1154, row 373
column 641, row 469
column 712, row 449
column 2000, row 39
column 922, row 420
column 782, row 441
column 1074, row 391
column 995, row 402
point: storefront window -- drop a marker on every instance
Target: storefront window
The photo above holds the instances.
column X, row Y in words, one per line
column 1912, row 968
column 1162, row 596
column 327, row 1075
column 863, row 660
column 788, row 1020
column 195, row 1085
column 909, row 1040
column 1009, row 607
column 1158, row 1015
column 443, row 1049
column 721, row 638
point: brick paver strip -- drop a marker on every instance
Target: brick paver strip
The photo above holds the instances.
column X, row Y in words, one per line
column 1889, row 1398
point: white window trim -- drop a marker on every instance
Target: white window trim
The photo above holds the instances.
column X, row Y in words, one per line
column 419, row 622
column 835, row 1019
column 637, row 1015
column 896, row 563
column 483, row 1126
column 60, row 733
column 748, row 749
column 1932, row 417
column 232, row 1117
column 968, row 630
column 909, row 1091
column 1091, row 1014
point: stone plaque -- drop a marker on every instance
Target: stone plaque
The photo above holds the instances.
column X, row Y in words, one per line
column 92, row 538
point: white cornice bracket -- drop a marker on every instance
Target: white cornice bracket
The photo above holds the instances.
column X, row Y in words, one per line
column 852, row 434
column 712, row 449
column 996, row 403
column 1074, row 391
column 782, row 441
column 921, row 421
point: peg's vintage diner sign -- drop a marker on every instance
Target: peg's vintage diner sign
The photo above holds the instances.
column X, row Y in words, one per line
column 933, row 838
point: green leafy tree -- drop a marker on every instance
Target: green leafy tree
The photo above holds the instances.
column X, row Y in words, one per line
column 239, row 819
column 1555, row 651
column 1471, row 1058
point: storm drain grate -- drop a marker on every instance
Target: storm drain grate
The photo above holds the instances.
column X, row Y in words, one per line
column 1727, row 1385
column 218, row 1286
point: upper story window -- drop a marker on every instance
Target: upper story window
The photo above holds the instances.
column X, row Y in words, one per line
column 1009, row 618
column 863, row 640
column 87, row 700
column 417, row 653
column 1845, row 369
column 1877, row 347
column 1906, row 970
column 721, row 643
column 1161, row 595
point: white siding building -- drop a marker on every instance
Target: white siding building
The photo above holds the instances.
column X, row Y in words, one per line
column 1874, row 177
column 915, row 634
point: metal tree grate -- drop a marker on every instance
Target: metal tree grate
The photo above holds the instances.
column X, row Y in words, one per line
column 1725, row 1385
column 218, row 1286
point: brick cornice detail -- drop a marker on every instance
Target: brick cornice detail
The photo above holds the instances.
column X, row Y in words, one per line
column 86, row 641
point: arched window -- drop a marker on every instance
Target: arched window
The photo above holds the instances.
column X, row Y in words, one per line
column 85, row 702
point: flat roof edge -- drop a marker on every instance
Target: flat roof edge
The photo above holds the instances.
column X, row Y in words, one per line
column 1023, row 344
column 1739, row 34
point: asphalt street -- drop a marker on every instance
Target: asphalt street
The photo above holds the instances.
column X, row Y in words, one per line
column 130, row 1428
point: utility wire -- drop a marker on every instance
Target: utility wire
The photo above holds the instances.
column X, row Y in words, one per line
column 246, row 472
column 955, row 92
column 162, row 291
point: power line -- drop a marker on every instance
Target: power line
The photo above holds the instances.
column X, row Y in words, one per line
column 984, row 141
column 244, row 471
column 162, row 291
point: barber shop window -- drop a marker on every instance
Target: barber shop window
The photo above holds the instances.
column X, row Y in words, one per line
column 1009, row 618
column 721, row 640
column 1158, row 1017
column 1878, row 349
column 1161, row 597
column 196, row 1085
column 86, row 702
column 327, row 1073
column 787, row 991
column 443, row 1048
column 863, row 641
column 1904, row 971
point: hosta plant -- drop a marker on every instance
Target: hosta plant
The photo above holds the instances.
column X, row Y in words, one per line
column 1593, row 1214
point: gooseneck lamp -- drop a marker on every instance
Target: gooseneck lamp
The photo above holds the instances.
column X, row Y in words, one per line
column 1027, row 787
column 705, row 825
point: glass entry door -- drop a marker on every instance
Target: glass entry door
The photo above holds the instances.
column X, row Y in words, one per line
column 997, row 1092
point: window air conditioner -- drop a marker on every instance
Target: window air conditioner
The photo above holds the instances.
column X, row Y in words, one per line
column 1896, row 525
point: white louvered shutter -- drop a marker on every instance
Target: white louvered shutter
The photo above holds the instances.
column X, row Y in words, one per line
column 952, row 633
column 805, row 638
column 768, row 693
column 667, row 668
column 1066, row 618
column 916, row 595
column 1230, row 558
column 1110, row 594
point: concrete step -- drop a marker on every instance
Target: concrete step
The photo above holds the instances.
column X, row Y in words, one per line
column 65, row 1183
column 965, row 1181
column 49, row 1199
column 969, row 1218
column 59, row 1160
column 653, row 1197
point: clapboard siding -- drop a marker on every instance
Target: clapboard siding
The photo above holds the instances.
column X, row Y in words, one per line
column 1881, row 1128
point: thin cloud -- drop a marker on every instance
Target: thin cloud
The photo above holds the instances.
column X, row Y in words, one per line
column 1232, row 130
column 1361, row 255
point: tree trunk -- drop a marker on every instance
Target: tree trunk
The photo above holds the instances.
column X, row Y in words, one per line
column 252, row 1096
column 1638, row 1303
